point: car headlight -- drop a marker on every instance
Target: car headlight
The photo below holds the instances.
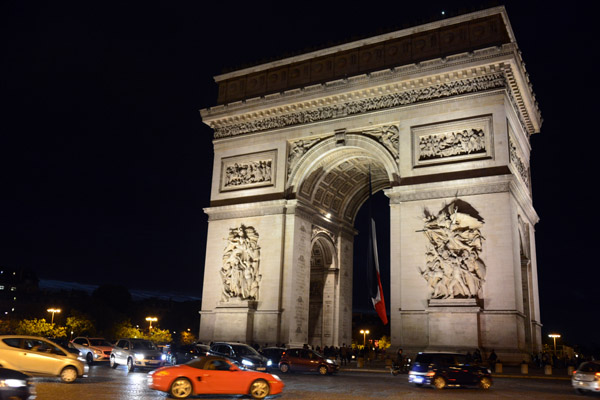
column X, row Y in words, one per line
column 98, row 352
column 163, row 357
column 269, row 363
column 328, row 361
column 13, row 383
column 139, row 356
column 247, row 363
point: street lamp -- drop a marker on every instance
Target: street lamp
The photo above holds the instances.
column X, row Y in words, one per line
column 554, row 336
column 364, row 333
column 151, row 320
column 53, row 311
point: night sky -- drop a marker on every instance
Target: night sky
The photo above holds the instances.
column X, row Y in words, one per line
column 105, row 162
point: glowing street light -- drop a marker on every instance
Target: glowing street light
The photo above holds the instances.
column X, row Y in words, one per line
column 364, row 333
column 151, row 320
column 53, row 311
column 554, row 336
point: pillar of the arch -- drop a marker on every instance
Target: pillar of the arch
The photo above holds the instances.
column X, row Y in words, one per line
column 255, row 319
column 495, row 318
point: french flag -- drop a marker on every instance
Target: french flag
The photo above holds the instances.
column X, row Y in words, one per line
column 373, row 277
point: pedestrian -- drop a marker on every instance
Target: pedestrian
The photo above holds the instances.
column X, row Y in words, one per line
column 343, row 354
column 492, row 359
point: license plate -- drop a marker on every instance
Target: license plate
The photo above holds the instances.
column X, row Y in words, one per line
column 261, row 369
column 418, row 379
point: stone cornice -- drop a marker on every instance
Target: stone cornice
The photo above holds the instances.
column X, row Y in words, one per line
column 437, row 190
column 246, row 210
column 411, row 84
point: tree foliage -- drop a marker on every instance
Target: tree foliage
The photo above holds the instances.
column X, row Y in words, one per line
column 39, row 327
column 80, row 326
column 160, row 336
column 187, row 338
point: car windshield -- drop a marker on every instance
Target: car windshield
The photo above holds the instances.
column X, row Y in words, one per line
column 145, row 345
column 99, row 342
column 245, row 351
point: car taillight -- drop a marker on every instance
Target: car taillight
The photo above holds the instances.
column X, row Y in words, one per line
column 597, row 376
column 430, row 373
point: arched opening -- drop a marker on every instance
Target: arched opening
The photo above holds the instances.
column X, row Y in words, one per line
column 332, row 182
column 323, row 283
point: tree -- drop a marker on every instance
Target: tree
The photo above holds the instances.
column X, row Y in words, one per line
column 126, row 330
column 187, row 337
column 160, row 336
column 80, row 326
column 39, row 327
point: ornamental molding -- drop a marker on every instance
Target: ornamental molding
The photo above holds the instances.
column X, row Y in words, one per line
column 380, row 90
column 463, row 187
column 246, row 210
column 347, row 108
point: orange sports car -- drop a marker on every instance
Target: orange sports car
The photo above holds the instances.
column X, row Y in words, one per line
column 213, row 375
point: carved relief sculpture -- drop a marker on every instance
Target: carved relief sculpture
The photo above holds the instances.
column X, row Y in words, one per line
column 297, row 150
column 454, row 268
column 248, row 173
column 517, row 162
column 451, row 144
column 240, row 264
column 388, row 136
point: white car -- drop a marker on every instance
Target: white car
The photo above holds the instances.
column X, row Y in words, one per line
column 41, row 357
column 93, row 349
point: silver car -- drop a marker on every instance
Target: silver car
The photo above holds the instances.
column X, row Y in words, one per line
column 587, row 377
column 92, row 349
column 136, row 353
column 39, row 356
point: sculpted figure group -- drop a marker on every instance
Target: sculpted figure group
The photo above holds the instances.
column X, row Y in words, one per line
column 245, row 173
column 240, row 264
column 453, row 266
column 451, row 144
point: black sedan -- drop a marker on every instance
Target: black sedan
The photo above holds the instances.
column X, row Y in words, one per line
column 180, row 354
column 442, row 370
column 16, row 385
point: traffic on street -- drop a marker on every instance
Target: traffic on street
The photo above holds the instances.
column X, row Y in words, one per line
column 350, row 383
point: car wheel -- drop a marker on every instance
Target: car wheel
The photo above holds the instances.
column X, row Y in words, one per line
column 259, row 389
column 485, row 383
column 394, row 371
column 68, row 374
column 113, row 362
column 181, row 388
column 439, row 382
column 130, row 366
column 323, row 370
column 89, row 358
column 284, row 368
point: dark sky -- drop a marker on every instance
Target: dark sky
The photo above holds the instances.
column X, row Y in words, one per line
column 106, row 163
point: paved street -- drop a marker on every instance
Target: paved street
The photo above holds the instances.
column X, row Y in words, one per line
column 104, row 383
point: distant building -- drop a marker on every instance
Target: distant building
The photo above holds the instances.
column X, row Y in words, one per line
column 16, row 285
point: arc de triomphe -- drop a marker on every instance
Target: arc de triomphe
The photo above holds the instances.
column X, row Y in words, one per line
column 442, row 115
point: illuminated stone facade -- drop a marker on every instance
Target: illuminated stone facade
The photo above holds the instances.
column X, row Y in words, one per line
column 441, row 114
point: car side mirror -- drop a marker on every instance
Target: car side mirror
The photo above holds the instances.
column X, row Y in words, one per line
column 233, row 368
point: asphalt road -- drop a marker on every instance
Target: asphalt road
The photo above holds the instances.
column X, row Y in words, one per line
column 106, row 383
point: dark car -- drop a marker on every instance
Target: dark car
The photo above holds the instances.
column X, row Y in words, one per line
column 442, row 370
column 306, row 360
column 241, row 354
column 180, row 354
column 273, row 354
column 16, row 385
column 587, row 377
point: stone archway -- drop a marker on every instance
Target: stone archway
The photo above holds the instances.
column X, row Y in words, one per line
column 444, row 131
